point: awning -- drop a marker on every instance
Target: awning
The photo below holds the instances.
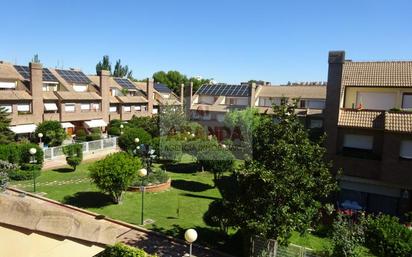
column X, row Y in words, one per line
column 50, row 107
column 67, row 125
column 22, row 129
column 95, row 123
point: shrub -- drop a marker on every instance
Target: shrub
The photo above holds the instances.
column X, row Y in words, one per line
column 19, row 175
column 126, row 141
column 19, row 153
column 81, row 135
column 347, row 237
column 149, row 124
column 157, row 177
column 193, row 147
column 113, row 128
column 385, row 236
column 53, row 133
column 74, row 154
column 115, row 173
column 4, row 181
column 95, row 134
column 216, row 160
column 26, row 156
column 170, row 149
column 10, row 152
column 122, row 250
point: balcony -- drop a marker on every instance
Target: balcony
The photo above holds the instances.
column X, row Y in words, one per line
column 81, row 115
column 394, row 121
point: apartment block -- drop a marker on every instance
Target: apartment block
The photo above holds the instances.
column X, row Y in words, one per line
column 368, row 121
column 32, row 94
column 210, row 103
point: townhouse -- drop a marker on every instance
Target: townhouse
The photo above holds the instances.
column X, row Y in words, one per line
column 210, row 103
column 368, row 121
column 32, row 94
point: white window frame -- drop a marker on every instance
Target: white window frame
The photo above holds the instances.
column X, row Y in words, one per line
column 8, row 84
column 80, row 87
column 7, row 107
column 127, row 108
column 113, row 108
column 24, row 107
column 70, row 107
column 85, row 107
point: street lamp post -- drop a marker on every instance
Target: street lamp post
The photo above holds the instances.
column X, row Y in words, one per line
column 121, row 129
column 190, row 237
column 142, row 173
column 32, row 152
column 40, row 136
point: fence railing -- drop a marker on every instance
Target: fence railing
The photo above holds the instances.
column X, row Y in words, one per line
column 102, row 144
column 269, row 248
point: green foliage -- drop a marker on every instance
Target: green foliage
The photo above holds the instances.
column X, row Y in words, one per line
column 4, row 181
column 53, row 133
column 170, row 149
column 385, row 236
column 19, row 175
column 217, row 160
column 113, row 128
column 174, row 79
column 218, row 215
column 153, row 178
column 115, row 173
column 122, row 71
column 18, row 153
column 285, row 186
column 149, row 124
column 74, row 154
column 122, row 250
column 95, row 134
column 347, row 237
column 81, row 135
column 172, row 120
column 194, row 147
column 6, row 135
column 104, row 65
column 127, row 139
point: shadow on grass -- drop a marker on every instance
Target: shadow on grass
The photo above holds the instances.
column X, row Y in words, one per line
column 200, row 196
column 63, row 170
column 181, row 167
column 88, row 200
column 192, row 186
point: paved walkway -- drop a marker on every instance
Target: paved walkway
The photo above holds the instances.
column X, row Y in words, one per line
column 61, row 161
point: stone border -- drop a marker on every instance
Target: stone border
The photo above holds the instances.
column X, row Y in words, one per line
column 152, row 188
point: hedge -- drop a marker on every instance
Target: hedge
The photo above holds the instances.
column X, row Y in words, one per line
column 19, row 153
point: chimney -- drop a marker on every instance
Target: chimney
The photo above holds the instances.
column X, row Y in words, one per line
column 104, row 76
column 334, row 93
column 182, row 95
column 150, row 96
column 252, row 95
column 188, row 99
column 36, row 90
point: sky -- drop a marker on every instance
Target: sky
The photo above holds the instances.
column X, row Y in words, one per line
column 227, row 40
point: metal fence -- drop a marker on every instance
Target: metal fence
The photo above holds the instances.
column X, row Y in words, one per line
column 97, row 145
column 269, row 248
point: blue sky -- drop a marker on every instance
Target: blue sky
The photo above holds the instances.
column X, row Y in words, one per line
column 230, row 41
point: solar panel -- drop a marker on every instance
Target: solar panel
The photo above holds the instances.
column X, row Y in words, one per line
column 25, row 72
column 224, row 90
column 162, row 88
column 72, row 76
column 125, row 83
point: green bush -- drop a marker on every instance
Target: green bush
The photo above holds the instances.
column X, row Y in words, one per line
column 149, row 124
column 385, row 236
column 113, row 128
column 19, row 175
column 193, row 147
column 216, row 160
column 53, row 133
column 115, row 173
column 170, row 149
column 81, row 135
column 122, row 250
column 74, row 154
column 126, row 141
column 19, row 153
column 153, row 178
column 347, row 237
column 95, row 134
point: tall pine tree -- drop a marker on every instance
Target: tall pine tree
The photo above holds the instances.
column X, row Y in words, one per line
column 6, row 135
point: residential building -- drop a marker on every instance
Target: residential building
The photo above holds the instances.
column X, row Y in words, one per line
column 32, row 94
column 368, row 121
column 210, row 103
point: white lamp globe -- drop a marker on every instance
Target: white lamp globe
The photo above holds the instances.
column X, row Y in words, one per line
column 121, row 126
column 142, row 172
column 223, row 146
column 192, row 135
column 40, row 135
column 33, row 151
column 136, row 140
column 190, row 235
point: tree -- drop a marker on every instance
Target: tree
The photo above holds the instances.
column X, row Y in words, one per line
column 171, row 120
column 122, row 71
column 104, row 65
column 197, row 82
column 127, row 139
column 6, row 135
column 115, row 173
column 53, row 133
column 217, row 160
column 74, row 155
column 174, row 79
column 284, row 187
column 149, row 124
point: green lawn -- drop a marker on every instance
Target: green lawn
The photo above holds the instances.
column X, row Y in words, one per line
column 173, row 211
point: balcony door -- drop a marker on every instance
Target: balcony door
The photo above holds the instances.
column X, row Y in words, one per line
column 376, row 100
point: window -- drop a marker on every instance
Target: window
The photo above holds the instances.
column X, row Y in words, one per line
column 358, row 141
column 7, row 85
column 144, row 108
column 50, row 87
column 70, row 107
column 406, row 149
column 239, row 101
column 95, row 106
column 206, row 116
column 204, row 99
column 8, row 108
column 376, row 101
column 316, row 124
column 113, row 108
column 127, row 108
column 155, row 111
column 316, row 104
column 220, row 117
column 50, row 107
column 85, row 107
column 268, row 101
column 80, row 87
column 407, row 101
column 23, row 107
column 138, row 108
